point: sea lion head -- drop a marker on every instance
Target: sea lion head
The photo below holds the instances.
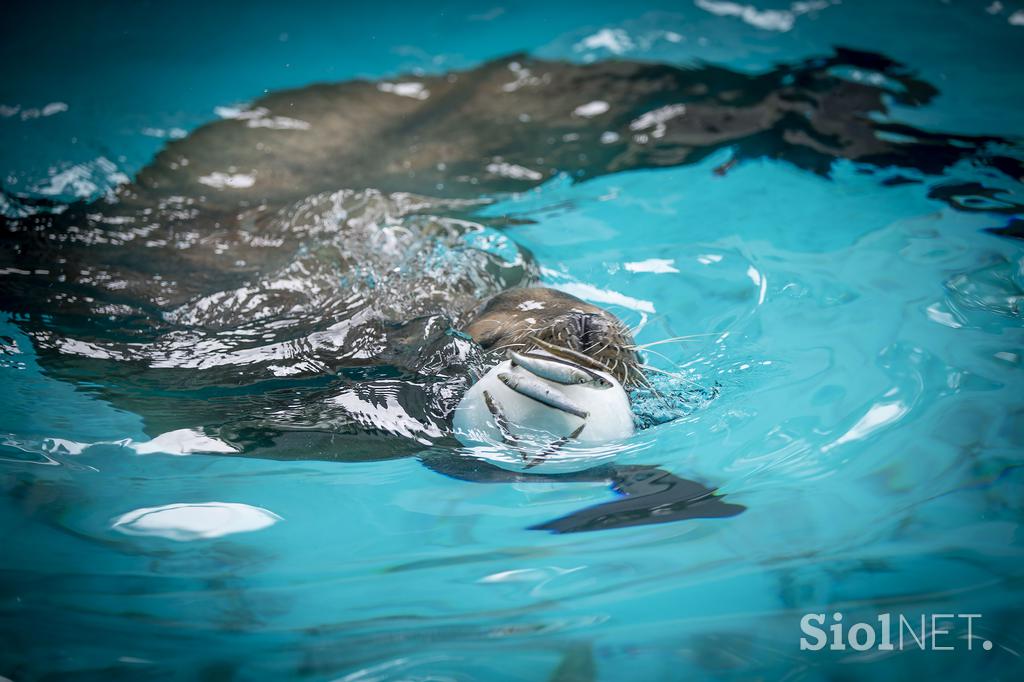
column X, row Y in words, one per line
column 524, row 319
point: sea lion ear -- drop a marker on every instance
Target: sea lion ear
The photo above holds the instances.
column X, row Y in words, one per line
column 651, row 496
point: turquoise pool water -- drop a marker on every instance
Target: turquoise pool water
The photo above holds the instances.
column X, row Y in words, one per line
column 864, row 334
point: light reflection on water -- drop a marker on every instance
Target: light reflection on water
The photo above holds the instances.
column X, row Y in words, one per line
column 854, row 349
column 197, row 521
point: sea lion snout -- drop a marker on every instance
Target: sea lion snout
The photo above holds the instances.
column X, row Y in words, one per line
column 521, row 319
column 585, row 331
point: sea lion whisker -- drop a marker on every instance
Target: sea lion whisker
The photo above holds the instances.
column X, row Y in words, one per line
column 658, row 394
column 678, row 376
column 644, row 346
column 602, row 349
column 646, row 384
column 615, row 365
column 663, row 357
column 607, row 344
column 639, row 378
column 570, row 354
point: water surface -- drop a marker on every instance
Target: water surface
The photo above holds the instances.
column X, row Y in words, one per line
column 863, row 332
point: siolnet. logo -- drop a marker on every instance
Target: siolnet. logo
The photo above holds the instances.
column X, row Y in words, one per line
column 892, row 632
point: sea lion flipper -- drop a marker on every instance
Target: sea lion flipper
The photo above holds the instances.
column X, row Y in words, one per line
column 651, row 496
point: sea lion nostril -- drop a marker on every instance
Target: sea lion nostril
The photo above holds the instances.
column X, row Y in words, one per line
column 591, row 329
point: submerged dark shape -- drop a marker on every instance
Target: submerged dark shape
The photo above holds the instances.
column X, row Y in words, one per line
column 513, row 123
column 649, row 495
column 292, row 279
column 201, row 208
column 1014, row 228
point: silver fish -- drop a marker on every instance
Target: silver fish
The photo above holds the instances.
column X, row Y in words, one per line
column 500, row 420
column 504, row 428
column 532, row 388
column 558, row 370
column 553, row 447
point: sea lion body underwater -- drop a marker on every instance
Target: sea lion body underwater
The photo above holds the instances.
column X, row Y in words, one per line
column 233, row 287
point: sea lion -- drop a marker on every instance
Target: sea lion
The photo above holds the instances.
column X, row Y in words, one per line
column 564, row 383
column 304, row 277
column 195, row 217
column 542, row 318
